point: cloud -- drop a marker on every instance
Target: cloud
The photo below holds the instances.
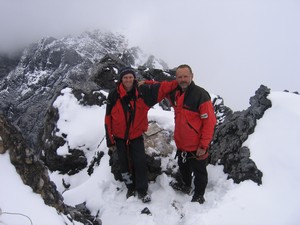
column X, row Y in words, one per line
column 233, row 46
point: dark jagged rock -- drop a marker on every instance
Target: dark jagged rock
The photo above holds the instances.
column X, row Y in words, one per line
column 34, row 173
column 221, row 110
column 95, row 162
column 156, row 74
column 295, row 92
column 150, row 63
column 229, row 137
column 103, row 72
column 7, row 63
column 76, row 160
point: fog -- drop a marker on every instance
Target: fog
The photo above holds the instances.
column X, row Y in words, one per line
column 233, row 46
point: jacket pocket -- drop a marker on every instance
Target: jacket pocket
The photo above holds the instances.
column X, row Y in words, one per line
column 193, row 120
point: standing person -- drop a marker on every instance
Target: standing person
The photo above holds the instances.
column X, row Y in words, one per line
column 194, row 128
column 126, row 120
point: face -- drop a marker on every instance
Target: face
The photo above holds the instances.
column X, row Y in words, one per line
column 184, row 77
column 127, row 81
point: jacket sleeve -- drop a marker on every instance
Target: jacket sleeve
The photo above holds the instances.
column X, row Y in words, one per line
column 108, row 122
column 165, row 88
column 154, row 92
column 207, row 115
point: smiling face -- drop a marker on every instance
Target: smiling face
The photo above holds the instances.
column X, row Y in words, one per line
column 184, row 77
column 127, row 81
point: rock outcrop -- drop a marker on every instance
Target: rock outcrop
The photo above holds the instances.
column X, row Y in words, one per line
column 34, row 173
column 227, row 147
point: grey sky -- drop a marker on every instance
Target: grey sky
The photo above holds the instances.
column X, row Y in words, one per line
column 233, row 46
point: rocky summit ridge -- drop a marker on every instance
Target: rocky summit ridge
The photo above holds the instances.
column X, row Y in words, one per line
column 34, row 78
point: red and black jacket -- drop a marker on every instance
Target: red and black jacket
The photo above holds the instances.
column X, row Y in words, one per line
column 194, row 118
column 126, row 113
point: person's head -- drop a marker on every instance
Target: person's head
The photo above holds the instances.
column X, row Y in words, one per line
column 184, row 76
column 127, row 77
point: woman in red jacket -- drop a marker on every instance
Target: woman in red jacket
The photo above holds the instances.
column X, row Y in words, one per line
column 194, row 128
column 126, row 121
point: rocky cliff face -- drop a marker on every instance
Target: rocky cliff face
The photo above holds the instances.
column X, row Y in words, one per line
column 87, row 64
column 31, row 80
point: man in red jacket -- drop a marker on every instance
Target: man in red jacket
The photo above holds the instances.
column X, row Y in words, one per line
column 126, row 121
column 194, row 128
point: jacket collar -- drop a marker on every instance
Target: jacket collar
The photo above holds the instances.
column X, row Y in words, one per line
column 192, row 84
column 122, row 92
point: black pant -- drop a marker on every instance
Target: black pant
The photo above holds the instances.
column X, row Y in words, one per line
column 133, row 163
column 198, row 167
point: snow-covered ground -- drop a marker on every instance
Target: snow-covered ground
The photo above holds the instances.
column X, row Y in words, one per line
column 274, row 147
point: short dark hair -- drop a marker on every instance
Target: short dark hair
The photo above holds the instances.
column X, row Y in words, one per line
column 185, row 66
